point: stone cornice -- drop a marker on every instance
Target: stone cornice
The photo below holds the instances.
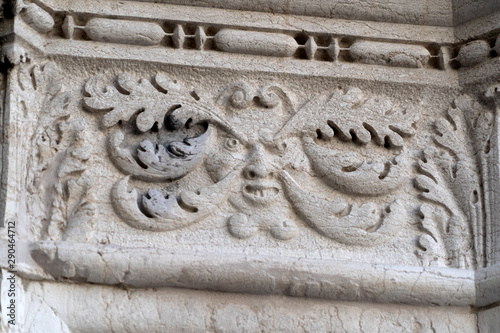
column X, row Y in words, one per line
column 206, row 34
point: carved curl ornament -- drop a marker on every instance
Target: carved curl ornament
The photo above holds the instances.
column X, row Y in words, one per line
column 250, row 142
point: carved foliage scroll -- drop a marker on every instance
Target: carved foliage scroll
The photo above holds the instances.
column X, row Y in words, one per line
column 57, row 185
column 451, row 181
column 147, row 106
column 250, row 165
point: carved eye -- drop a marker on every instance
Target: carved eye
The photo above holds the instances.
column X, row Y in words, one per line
column 232, row 144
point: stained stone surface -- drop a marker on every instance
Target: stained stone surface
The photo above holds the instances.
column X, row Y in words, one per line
column 242, row 167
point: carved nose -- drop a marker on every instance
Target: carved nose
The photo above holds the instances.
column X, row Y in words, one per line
column 258, row 167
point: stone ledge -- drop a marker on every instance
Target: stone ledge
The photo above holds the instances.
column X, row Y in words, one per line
column 327, row 279
column 420, row 12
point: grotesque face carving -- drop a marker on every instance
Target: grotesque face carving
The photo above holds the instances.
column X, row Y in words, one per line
column 260, row 186
column 252, row 141
column 252, row 148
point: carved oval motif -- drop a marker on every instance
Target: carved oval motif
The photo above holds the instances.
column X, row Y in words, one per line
column 124, row 32
column 391, row 54
column 38, row 19
column 258, row 43
column 473, row 53
column 68, row 27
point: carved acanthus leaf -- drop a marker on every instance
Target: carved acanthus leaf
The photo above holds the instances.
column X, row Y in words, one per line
column 168, row 212
column 435, row 188
column 454, row 166
column 158, row 162
column 432, row 249
column 151, row 101
column 350, row 117
column 351, row 173
column 71, row 207
column 56, row 184
column 366, row 225
column 450, row 177
column 134, row 97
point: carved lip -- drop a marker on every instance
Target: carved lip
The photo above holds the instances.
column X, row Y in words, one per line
column 260, row 192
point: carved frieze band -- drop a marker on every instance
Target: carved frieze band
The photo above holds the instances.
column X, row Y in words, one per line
column 159, row 132
column 253, row 169
column 321, row 47
column 249, row 166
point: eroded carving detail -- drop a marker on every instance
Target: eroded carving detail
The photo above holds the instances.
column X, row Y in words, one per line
column 153, row 101
column 56, row 181
column 327, row 116
column 156, row 162
column 249, row 142
column 451, row 178
column 36, row 17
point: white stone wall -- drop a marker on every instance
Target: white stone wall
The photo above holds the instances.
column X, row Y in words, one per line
column 249, row 166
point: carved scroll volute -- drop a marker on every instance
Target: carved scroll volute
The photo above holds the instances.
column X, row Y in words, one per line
column 157, row 162
column 248, row 164
column 152, row 103
column 147, row 107
column 351, row 118
column 366, row 225
column 352, row 173
column 356, row 121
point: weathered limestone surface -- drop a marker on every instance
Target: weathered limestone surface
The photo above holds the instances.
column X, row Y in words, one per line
column 488, row 320
column 439, row 13
column 251, row 166
column 176, row 310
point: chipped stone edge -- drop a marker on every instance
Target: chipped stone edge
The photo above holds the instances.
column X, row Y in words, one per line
column 477, row 27
column 257, row 274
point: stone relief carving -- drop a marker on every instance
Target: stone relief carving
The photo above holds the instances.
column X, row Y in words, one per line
column 35, row 17
column 160, row 132
column 58, row 189
column 277, row 44
column 253, row 163
column 452, row 180
column 313, row 180
column 250, row 40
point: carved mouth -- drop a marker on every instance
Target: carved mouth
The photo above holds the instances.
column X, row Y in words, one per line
column 260, row 193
